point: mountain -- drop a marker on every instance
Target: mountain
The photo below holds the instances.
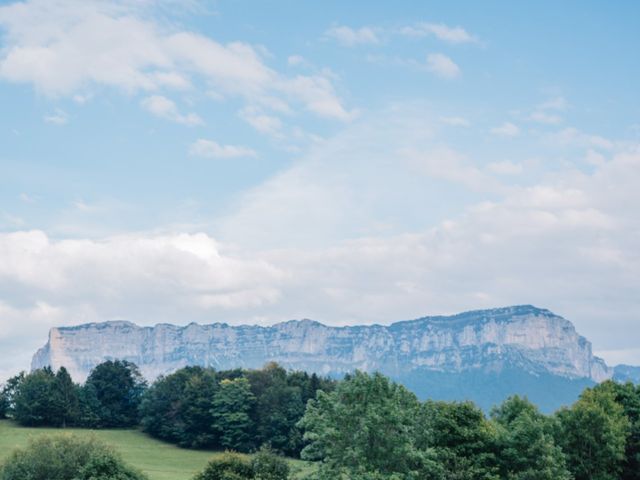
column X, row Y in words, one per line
column 626, row 373
column 482, row 355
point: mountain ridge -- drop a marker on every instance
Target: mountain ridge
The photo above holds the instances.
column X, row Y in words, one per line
column 518, row 346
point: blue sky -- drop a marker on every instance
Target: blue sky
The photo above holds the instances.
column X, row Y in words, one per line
column 352, row 163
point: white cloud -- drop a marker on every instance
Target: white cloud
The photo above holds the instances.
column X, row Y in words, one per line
column 67, row 49
column 145, row 278
column 267, row 124
column 507, row 129
column 351, row 37
column 566, row 242
column 455, row 35
column 505, row 168
column 546, row 118
column 442, row 65
column 455, row 121
column 329, row 238
column 316, row 92
column 296, row 60
column 26, row 198
column 573, row 137
column 556, row 103
column 447, row 164
column 58, row 117
column 165, row 108
column 210, row 149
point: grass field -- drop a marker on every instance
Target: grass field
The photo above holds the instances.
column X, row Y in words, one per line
column 159, row 460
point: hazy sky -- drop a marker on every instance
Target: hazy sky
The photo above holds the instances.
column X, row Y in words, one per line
column 358, row 162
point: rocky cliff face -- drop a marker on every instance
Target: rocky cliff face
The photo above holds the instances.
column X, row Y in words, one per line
column 525, row 339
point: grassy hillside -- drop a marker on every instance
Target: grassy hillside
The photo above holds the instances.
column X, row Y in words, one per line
column 159, row 460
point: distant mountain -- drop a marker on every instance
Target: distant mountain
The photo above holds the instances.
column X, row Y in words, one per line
column 626, row 373
column 482, row 355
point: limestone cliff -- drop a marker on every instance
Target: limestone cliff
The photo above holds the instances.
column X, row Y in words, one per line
column 530, row 340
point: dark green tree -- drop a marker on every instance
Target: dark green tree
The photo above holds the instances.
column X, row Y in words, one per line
column 279, row 407
column 8, row 394
column 64, row 400
column 230, row 414
column 593, row 434
column 526, row 448
column 177, row 408
column 118, row 388
column 460, row 438
column 32, row 399
column 89, row 407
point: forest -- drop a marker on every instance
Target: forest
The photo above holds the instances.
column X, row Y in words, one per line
column 362, row 427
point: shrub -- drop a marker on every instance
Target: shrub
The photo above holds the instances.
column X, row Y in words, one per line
column 268, row 466
column 66, row 457
column 265, row 465
column 229, row 466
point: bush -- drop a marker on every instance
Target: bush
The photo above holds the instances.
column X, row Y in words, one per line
column 268, row 466
column 66, row 457
column 265, row 465
column 229, row 466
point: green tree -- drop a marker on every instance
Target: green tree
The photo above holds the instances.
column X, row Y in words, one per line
column 364, row 427
column 89, row 407
column 66, row 457
column 230, row 414
column 118, row 387
column 592, row 434
column 8, row 393
column 526, row 448
column 5, row 403
column 460, row 438
column 32, row 399
column 64, row 399
column 177, row 408
column 627, row 395
column 279, row 407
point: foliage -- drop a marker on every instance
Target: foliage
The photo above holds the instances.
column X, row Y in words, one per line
column 280, row 405
column 32, row 402
column 177, row 408
column 230, row 414
column 199, row 407
column 627, row 396
column 267, row 465
column 8, row 393
column 159, row 460
column 66, row 457
column 65, row 402
column 231, row 466
column 364, row 427
column 460, row 437
column 526, row 448
column 592, row 434
column 118, row 388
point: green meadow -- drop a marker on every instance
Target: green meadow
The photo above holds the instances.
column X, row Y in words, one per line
column 159, row 460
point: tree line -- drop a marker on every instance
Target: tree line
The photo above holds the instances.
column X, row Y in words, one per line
column 194, row 407
column 363, row 427
column 369, row 428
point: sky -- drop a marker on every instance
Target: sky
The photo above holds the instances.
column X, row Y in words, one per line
column 353, row 163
